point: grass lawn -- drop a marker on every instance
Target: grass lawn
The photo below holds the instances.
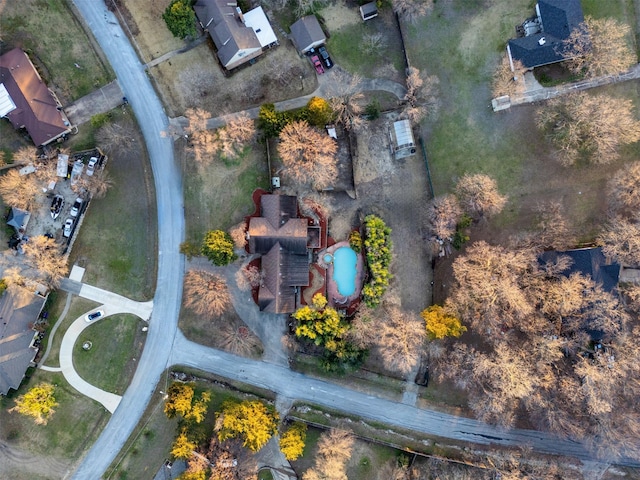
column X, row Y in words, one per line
column 219, row 196
column 117, row 241
column 462, row 47
column 72, row 429
column 347, row 49
column 117, row 343
column 55, row 41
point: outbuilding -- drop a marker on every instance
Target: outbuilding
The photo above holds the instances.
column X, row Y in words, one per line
column 307, row 33
column 402, row 141
column 368, row 11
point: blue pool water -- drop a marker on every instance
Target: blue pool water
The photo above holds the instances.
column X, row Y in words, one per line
column 344, row 270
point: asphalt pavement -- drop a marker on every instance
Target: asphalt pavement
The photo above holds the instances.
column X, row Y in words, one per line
column 152, row 119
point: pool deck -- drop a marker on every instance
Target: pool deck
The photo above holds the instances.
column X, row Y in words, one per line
column 334, row 297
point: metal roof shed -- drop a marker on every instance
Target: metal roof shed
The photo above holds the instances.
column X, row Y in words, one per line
column 402, row 141
column 368, row 11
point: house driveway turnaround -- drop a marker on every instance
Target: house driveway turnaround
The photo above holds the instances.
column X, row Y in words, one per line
column 111, row 304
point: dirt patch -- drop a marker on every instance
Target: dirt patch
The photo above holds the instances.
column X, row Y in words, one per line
column 339, row 14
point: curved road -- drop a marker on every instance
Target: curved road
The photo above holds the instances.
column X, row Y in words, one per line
column 160, row 351
column 164, row 320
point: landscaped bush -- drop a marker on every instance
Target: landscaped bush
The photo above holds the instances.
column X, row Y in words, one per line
column 355, row 241
column 218, row 247
column 377, row 246
column 325, row 327
column 180, row 19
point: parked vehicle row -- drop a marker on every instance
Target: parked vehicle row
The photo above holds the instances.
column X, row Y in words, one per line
column 320, row 59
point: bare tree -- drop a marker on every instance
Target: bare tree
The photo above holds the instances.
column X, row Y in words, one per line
column 412, row 10
column 624, row 190
column 205, row 146
column 308, row 155
column 239, row 130
column 25, row 155
column 17, row 190
column 421, row 97
column 238, row 339
column 553, row 229
column 197, row 118
column 478, row 195
column 443, row 214
column 507, row 81
column 595, row 126
column 45, row 256
column 334, row 450
column 621, row 240
column 599, row 47
column 239, row 235
column 400, row 340
column 248, row 277
column 115, row 138
column 206, row 293
column 96, row 186
column 346, row 99
column 364, row 328
column 373, row 43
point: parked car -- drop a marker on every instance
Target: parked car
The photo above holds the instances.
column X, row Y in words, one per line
column 94, row 315
column 91, row 166
column 326, row 59
column 77, row 205
column 66, row 229
column 56, row 206
column 317, row 64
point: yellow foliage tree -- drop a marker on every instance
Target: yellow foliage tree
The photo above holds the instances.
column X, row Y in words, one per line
column 38, row 403
column 441, row 323
column 179, row 400
column 199, row 408
column 251, row 420
column 292, row 441
column 182, row 447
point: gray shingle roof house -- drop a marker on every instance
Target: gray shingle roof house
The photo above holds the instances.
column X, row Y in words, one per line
column 19, row 309
column 27, row 102
column 543, row 35
column 589, row 262
column 307, row 33
column 238, row 37
column 281, row 237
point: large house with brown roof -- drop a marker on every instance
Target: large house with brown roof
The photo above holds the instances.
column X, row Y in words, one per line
column 19, row 309
column 285, row 240
column 27, row 102
column 238, row 37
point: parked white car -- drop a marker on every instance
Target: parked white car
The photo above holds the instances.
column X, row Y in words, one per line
column 77, row 205
column 68, row 225
column 91, row 166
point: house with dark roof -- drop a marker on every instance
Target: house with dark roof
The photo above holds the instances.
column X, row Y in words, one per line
column 540, row 38
column 19, row 309
column 307, row 33
column 238, row 37
column 284, row 239
column 26, row 101
column 588, row 262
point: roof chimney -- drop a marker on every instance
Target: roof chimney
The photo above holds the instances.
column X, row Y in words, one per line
column 240, row 16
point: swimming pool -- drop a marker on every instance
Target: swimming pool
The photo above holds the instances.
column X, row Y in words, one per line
column 344, row 270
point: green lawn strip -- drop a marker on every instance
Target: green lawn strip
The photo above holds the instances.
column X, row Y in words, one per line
column 79, row 306
column 116, row 345
column 54, row 54
column 150, row 443
column 71, row 430
column 219, row 196
column 117, row 243
column 367, row 459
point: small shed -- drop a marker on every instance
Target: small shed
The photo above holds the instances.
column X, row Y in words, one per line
column 307, row 33
column 368, row 11
column 402, row 142
column 18, row 219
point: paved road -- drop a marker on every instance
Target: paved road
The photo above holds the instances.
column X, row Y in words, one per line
column 163, row 324
column 294, row 385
